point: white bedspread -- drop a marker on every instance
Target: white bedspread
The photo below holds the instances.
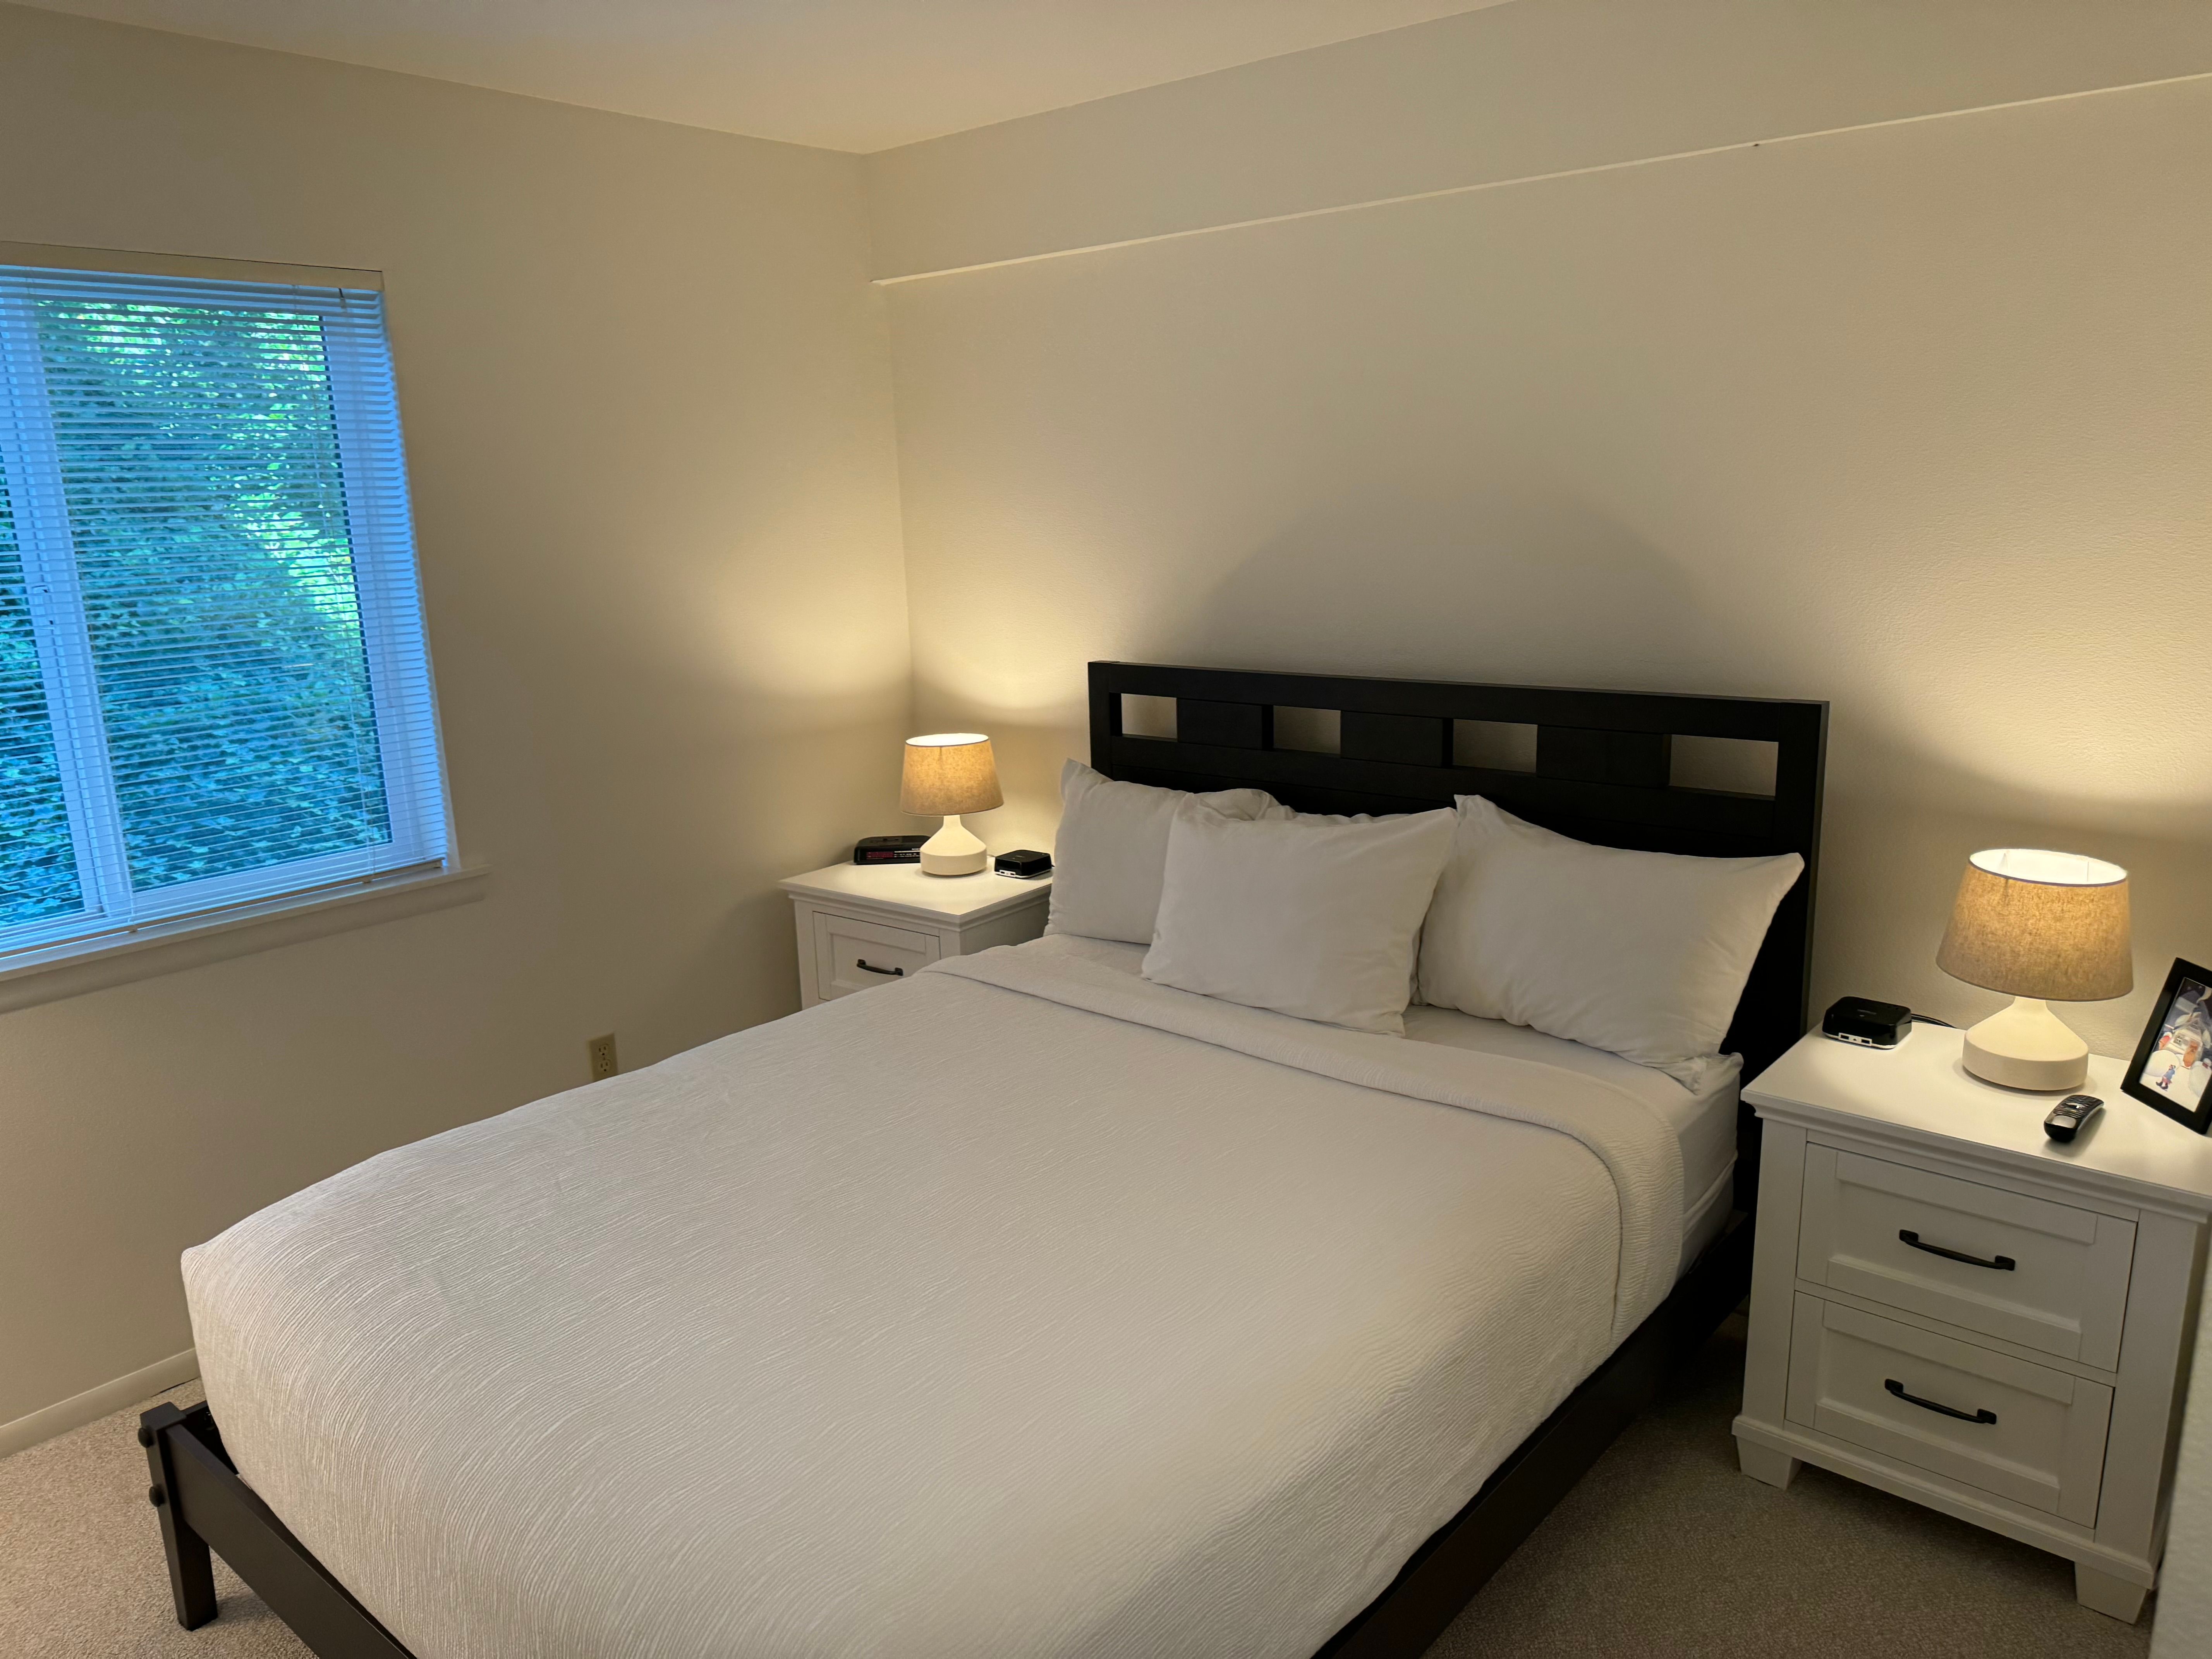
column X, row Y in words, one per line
column 1705, row 1123
column 1019, row 1309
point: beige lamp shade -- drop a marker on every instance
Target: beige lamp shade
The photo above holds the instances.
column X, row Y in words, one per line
column 2042, row 927
column 949, row 772
column 2050, row 925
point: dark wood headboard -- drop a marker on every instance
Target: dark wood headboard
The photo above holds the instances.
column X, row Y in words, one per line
column 1602, row 773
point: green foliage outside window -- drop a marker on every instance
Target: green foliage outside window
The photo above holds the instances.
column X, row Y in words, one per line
column 207, row 509
column 38, row 866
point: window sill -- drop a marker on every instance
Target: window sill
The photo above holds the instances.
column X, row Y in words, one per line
column 67, row 970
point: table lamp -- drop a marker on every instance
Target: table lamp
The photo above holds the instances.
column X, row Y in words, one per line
column 2037, row 926
column 951, row 773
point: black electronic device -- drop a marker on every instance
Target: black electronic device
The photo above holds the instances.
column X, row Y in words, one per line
column 888, row 849
column 1022, row 864
column 1870, row 1024
column 2068, row 1116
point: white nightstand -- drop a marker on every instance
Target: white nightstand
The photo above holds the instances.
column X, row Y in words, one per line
column 862, row 926
column 1949, row 1306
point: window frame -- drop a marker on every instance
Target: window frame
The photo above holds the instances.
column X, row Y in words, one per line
column 388, row 589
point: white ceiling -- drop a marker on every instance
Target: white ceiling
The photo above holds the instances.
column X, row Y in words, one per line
column 852, row 74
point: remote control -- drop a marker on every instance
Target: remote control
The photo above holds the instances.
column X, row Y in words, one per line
column 2068, row 1116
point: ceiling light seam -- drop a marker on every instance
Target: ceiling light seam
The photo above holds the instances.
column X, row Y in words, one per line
column 1551, row 177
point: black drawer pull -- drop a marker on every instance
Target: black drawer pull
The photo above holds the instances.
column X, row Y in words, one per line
column 1985, row 1415
column 867, row 967
column 2002, row 1264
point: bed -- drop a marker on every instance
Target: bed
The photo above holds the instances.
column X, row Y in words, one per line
column 1028, row 1307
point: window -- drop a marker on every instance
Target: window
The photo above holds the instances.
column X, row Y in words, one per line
column 213, row 689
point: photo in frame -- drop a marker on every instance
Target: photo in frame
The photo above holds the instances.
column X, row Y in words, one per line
column 2172, row 1066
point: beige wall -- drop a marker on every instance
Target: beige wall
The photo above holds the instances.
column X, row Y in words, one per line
column 646, row 396
column 1532, row 87
column 1912, row 418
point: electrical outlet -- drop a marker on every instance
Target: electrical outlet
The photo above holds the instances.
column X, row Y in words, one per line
column 601, row 1051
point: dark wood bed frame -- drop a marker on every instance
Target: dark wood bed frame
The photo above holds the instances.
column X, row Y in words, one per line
column 1602, row 773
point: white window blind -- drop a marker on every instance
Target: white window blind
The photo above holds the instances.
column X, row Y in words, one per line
column 214, row 687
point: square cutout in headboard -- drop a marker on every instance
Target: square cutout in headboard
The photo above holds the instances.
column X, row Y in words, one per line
column 1148, row 717
column 1741, row 766
column 1495, row 745
column 1310, row 731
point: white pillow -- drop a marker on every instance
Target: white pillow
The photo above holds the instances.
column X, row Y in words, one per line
column 1113, row 846
column 1641, row 954
column 1308, row 918
column 1292, row 815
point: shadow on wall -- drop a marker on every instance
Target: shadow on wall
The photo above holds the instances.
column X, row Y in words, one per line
column 1993, row 753
column 1455, row 589
column 1998, row 753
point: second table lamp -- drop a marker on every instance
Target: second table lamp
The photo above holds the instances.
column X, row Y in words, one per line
column 2037, row 926
column 950, row 773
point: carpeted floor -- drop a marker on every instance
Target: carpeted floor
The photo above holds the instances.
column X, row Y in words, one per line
column 81, row 1572
column 1664, row 1549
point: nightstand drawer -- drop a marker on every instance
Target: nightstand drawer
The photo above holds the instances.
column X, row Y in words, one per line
column 2047, row 1276
column 852, row 955
column 1984, row 1419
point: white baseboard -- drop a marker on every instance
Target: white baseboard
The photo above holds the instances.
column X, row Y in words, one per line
column 96, row 1403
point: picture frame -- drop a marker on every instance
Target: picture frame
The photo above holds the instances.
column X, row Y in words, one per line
column 2172, row 1070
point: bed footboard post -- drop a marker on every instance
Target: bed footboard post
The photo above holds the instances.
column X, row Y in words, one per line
column 191, row 1569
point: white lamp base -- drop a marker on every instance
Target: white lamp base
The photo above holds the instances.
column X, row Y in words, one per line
column 2027, row 1047
column 955, row 851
